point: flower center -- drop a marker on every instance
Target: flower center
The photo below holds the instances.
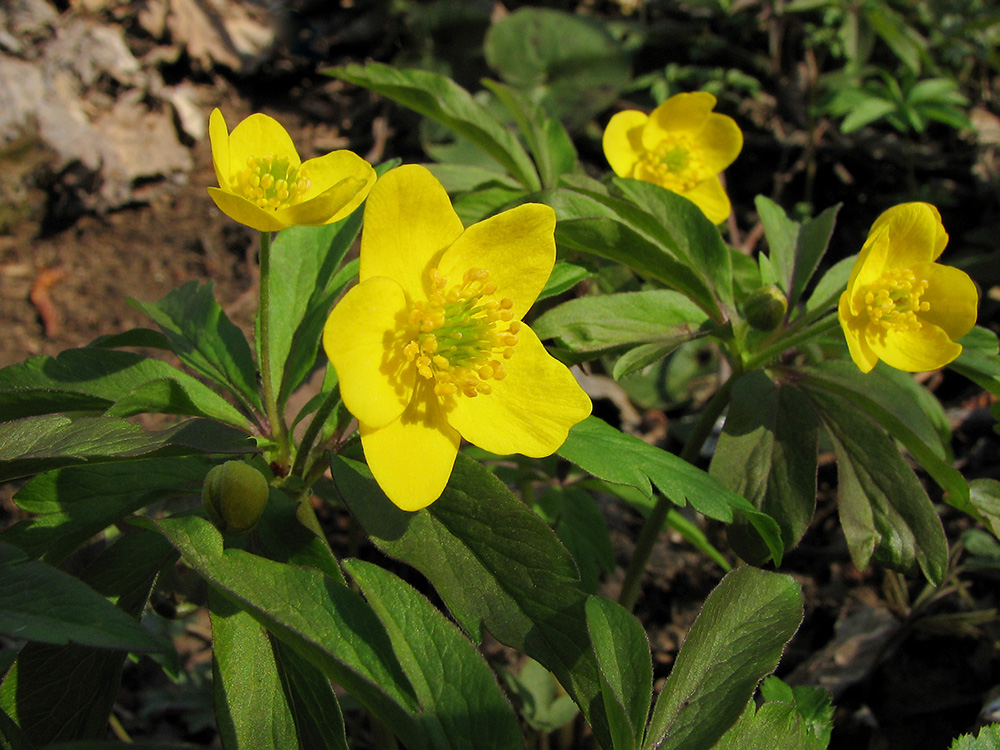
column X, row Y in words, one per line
column 272, row 182
column 893, row 301
column 458, row 340
column 676, row 163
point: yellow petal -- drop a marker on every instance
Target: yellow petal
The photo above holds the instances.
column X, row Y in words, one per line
column 376, row 381
column 412, row 457
column 711, row 198
column 916, row 350
column 861, row 352
column 868, row 267
column 916, row 234
column 680, row 113
column 622, row 141
column 517, row 247
column 530, row 411
column 218, row 136
column 259, row 135
column 325, row 171
column 327, row 207
column 721, row 141
column 239, row 209
column 409, row 221
column 952, row 296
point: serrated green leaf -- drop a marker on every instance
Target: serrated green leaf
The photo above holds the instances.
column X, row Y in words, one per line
column 736, row 641
column 37, row 444
column 93, row 379
column 580, row 525
column 67, row 692
column 496, row 565
column 41, row 603
column 322, row 620
column 569, row 61
column 767, row 727
column 620, row 231
column 988, row 738
column 318, row 718
column 548, row 141
column 884, row 510
column 613, row 320
column 890, row 398
column 462, row 704
column 813, row 704
column 688, row 228
column 444, row 101
column 205, row 339
column 251, row 707
column 615, row 457
column 767, row 454
column 622, row 651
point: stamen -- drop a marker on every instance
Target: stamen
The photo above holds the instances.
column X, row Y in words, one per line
column 272, row 182
column 676, row 163
column 458, row 339
column 893, row 301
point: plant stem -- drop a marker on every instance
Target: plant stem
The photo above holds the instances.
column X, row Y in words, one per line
column 304, row 458
column 279, row 431
column 654, row 521
column 764, row 357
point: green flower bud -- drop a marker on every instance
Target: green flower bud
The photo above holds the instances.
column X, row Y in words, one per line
column 765, row 308
column 234, row 496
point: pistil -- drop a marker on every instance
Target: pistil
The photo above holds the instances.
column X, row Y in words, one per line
column 272, row 182
column 893, row 301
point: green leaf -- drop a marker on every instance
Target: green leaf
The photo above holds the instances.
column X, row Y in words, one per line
column 831, row 285
column 251, row 707
column 884, row 510
column 462, row 704
column 67, row 692
column 547, row 139
column 736, row 641
column 466, row 178
column 796, row 248
column 318, row 718
column 643, row 356
column 322, row 620
column 93, row 379
column 580, row 525
column 564, row 276
column 984, row 494
column 444, row 101
column 622, row 651
column 767, row 454
column 866, row 112
column 569, row 61
column 905, row 42
column 37, row 444
column 542, row 704
column 988, row 738
column 41, row 603
column 205, row 339
column 769, row 726
column 615, row 457
column 894, row 400
column 496, row 565
column 613, row 320
column 978, row 360
column 813, row 704
column 687, row 228
column 75, row 503
column 618, row 230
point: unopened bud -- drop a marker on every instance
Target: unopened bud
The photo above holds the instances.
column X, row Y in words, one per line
column 765, row 308
column 234, row 496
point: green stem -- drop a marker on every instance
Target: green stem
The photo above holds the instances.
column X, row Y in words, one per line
column 656, row 518
column 303, row 458
column 279, row 431
column 765, row 356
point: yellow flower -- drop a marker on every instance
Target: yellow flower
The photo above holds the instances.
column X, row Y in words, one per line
column 900, row 306
column 682, row 146
column 264, row 184
column 430, row 347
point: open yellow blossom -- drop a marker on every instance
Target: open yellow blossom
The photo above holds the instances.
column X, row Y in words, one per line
column 900, row 306
column 430, row 347
column 264, row 184
column 682, row 145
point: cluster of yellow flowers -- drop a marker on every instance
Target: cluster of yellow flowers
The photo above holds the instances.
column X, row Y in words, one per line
column 431, row 347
